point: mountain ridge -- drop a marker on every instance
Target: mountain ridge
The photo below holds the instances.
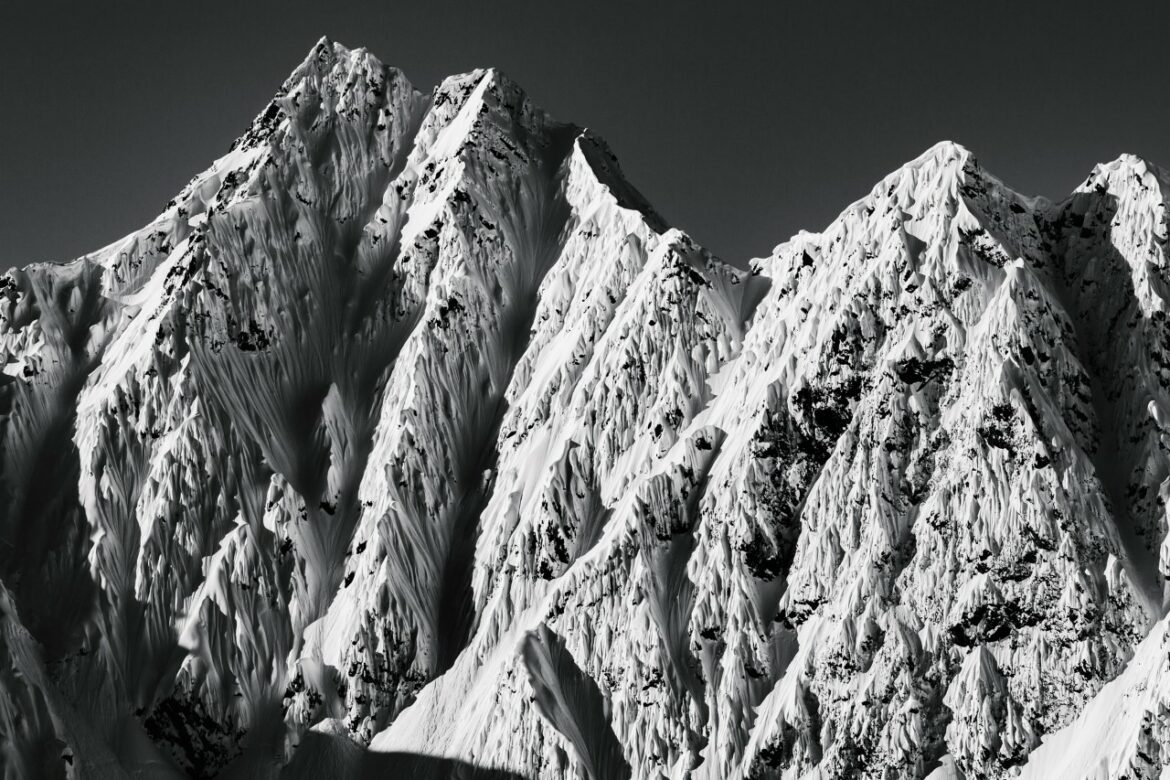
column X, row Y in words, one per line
column 409, row 429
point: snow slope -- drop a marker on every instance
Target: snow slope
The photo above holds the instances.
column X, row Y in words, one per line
column 408, row 440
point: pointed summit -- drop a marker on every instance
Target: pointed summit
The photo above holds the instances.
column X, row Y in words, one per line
column 289, row 474
column 325, row 54
column 946, row 153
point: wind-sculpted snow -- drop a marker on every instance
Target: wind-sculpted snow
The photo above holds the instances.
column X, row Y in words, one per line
column 410, row 441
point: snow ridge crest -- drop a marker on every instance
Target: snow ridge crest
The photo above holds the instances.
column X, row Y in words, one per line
column 409, row 438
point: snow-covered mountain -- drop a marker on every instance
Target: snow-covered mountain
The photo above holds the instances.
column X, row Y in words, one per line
column 408, row 441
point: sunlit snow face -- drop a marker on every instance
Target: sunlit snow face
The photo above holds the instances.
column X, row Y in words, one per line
column 408, row 429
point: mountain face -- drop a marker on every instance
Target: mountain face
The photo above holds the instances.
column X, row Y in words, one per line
column 409, row 441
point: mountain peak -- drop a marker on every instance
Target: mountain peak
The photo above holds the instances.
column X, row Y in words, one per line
column 326, row 55
column 947, row 152
column 1125, row 172
column 410, row 430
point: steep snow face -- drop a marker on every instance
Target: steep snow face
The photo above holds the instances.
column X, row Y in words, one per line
column 408, row 439
column 1116, row 230
column 960, row 510
column 237, row 391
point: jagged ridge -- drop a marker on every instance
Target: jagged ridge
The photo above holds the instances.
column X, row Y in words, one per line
column 409, row 430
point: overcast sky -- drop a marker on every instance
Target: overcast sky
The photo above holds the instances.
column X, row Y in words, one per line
column 742, row 123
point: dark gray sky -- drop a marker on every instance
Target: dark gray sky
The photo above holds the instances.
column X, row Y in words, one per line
column 742, row 123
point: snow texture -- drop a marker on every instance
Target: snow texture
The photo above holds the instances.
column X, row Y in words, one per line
column 409, row 441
